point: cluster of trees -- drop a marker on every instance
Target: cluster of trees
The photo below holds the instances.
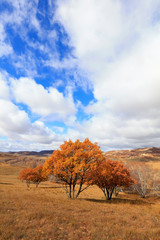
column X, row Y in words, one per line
column 77, row 165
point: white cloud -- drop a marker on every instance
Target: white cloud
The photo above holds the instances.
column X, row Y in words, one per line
column 12, row 119
column 16, row 126
column 66, row 63
column 25, row 64
column 22, row 11
column 99, row 31
column 48, row 103
column 5, row 48
column 23, row 20
column 12, row 145
column 86, row 21
column 4, row 89
column 39, row 133
column 17, row 19
column 131, row 87
column 117, row 42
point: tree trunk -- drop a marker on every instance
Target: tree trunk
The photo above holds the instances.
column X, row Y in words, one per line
column 73, row 190
column 111, row 192
column 108, row 193
column 80, row 187
column 28, row 184
column 74, row 184
column 116, row 191
column 70, row 191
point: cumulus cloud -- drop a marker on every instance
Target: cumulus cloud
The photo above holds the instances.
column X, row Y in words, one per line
column 12, row 119
column 117, row 42
column 132, row 84
column 48, row 103
column 106, row 29
column 17, row 127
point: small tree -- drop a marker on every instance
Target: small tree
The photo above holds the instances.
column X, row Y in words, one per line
column 24, row 175
column 148, row 180
column 109, row 175
column 72, row 163
column 32, row 175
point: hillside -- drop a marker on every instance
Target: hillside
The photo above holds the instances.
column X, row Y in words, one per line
column 26, row 158
column 142, row 154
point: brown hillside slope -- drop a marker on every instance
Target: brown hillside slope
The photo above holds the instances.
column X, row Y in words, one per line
column 142, row 154
column 25, row 158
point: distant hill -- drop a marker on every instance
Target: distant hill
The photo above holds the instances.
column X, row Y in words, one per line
column 142, row 154
column 26, row 158
column 43, row 152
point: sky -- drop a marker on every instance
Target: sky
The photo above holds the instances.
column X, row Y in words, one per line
column 76, row 69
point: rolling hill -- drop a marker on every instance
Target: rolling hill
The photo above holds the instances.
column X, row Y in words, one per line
column 26, row 158
column 142, row 155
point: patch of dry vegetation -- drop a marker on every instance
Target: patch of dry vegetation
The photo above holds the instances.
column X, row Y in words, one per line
column 155, row 165
column 45, row 213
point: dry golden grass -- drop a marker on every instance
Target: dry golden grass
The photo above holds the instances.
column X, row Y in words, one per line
column 155, row 165
column 46, row 213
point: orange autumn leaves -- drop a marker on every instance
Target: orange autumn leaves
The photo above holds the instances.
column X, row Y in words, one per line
column 109, row 175
column 80, row 164
column 32, row 175
column 77, row 165
column 72, row 163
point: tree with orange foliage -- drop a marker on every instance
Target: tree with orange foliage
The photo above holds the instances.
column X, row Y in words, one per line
column 72, row 163
column 109, row 175
column 32, row 175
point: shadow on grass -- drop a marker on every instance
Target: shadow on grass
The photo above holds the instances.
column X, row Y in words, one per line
column 120, row 201
column 7, row 183
column 51, row 187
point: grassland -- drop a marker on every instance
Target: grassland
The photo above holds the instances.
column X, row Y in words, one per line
column 46, row 213
column 155, row 165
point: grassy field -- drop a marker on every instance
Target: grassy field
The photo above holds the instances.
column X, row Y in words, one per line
column 46, row 213
column 155, row 165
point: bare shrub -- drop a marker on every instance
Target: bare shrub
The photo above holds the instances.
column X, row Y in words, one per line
column 148, row 179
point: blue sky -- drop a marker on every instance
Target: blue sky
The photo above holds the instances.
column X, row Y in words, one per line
column 72, row 69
